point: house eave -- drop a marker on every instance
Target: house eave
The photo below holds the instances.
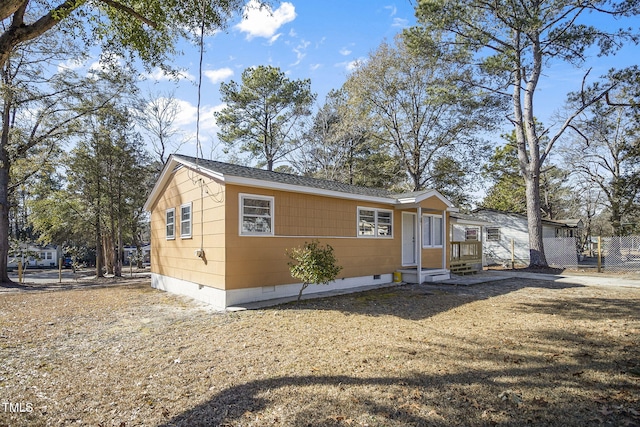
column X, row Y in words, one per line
column 256, row 183
column 398, row 202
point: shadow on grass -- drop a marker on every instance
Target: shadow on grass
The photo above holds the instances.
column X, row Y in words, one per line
column 419, row 400
column 556, row 378
column 584, row 307
column 417, row 302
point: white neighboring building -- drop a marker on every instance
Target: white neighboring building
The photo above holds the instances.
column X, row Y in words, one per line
column 507, row 226
column 36, row 256
column 131, row 251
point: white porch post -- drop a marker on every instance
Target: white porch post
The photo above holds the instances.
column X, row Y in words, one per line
column 419, row 239
column 445, row 243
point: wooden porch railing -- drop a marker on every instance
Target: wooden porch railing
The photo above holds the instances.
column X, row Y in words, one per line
column 465, row 256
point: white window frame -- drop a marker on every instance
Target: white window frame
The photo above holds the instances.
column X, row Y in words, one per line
column 428, row 224
column 188, row 221
column 244, row 196
column 376, row 223
column 167, row 223
column 489, row 239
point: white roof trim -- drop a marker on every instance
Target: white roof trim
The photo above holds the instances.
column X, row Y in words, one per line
column 257, row 183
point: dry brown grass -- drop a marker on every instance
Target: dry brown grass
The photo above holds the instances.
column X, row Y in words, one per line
column 507, row 353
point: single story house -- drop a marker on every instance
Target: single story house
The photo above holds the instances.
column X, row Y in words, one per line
column 508, row 226
column 33, row 255
column 220, row 232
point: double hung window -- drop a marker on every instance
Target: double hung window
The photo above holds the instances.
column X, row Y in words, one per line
column 170, row 221
column 432, row 231
column 256, row 215
column 375, row 222
column 185, row 221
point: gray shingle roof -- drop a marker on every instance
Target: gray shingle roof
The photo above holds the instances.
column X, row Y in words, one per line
column 283, row 178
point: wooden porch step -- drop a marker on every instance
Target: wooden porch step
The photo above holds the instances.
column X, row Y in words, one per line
column 462, row 269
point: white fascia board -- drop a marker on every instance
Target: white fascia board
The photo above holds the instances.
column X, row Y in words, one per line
column 167, row 171
column 479, row 223
column 257, row 183
column 415, row 200
column 434, row 193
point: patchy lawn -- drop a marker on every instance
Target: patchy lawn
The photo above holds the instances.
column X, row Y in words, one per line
column 507, row 353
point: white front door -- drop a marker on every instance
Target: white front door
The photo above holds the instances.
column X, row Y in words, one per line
column 408, row 238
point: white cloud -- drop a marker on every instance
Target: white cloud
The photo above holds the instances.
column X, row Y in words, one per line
column 71, row 65
column 264, row 22
column 187, row 115
column 300, row 51
column 344, row 51
column 159, row 75
column 352, row 65
column 314, row 67
column 219, row 75
column 400, row 22
column 393, row 10
column 273, row 39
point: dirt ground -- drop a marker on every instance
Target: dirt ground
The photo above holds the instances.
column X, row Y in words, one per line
column 509, row 353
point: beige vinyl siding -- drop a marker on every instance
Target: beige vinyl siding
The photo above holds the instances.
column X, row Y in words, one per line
column 262, row 261
column 176, row 258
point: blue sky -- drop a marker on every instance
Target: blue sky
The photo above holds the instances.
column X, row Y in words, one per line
column 305, row 39
column 319, row 40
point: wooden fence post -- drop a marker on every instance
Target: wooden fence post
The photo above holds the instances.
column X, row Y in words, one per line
column 513, row 254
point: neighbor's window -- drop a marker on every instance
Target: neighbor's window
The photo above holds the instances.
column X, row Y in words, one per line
column 185, row 220
column 432, row 232
column 256, row 215
column 471, row 234
column 493, row 234
column 375, row 222
column 171, row 223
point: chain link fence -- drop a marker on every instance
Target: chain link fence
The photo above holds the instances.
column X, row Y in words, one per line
column 616, row 254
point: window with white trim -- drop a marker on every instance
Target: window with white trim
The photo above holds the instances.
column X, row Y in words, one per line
column 185, row 221
column 170, row 221
column 256, row 215
column 493, row 234
column 432, row 231
column 375, row 222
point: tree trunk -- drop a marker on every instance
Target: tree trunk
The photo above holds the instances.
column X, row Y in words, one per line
column 534, row 222
column 118, row 266
column 99, row 260
column 4, row 193
column 4, row 216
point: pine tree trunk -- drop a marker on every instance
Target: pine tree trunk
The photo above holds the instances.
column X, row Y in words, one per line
column 534, row 219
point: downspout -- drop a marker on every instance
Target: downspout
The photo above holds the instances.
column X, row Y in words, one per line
column 419, row 260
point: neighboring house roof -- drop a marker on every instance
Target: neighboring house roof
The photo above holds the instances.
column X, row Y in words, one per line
column 460, row 218
column 574, row 223
column 563, row 223
column 253, row 177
